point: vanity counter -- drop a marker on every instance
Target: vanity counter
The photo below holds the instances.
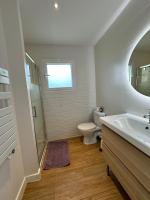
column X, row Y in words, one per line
column 130, row 165
column 132, row 128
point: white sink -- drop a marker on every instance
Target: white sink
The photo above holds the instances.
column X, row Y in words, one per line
column 132, row 128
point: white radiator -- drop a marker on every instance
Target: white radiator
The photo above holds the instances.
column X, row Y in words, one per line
column 7, row 120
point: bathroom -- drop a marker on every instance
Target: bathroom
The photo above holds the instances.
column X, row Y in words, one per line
column 98, row 42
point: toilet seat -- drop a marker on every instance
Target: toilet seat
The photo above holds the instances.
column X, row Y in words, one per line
column 87, row 126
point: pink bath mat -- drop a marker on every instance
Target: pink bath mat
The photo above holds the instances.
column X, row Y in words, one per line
column 57, row 155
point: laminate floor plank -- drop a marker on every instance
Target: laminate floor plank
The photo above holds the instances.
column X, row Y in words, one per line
column 84, row 179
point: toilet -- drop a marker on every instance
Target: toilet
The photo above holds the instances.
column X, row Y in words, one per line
column 91, row 130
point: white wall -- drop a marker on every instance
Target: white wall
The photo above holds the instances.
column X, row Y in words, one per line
column 65, row 109
column 16, row 59
column 23, row 164
column 11, row 171
column 112, row 54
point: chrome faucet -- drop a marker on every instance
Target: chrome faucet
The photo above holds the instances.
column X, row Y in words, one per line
column 148, row 115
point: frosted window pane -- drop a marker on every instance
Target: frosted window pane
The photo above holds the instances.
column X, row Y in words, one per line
column 59, row 75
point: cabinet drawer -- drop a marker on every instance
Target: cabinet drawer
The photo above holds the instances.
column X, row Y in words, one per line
column 136, row 161
column 132, row 186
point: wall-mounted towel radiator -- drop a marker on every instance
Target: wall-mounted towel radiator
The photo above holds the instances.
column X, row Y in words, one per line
column 7, row 119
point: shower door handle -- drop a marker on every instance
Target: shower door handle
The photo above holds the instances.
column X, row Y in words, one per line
column 34, row 111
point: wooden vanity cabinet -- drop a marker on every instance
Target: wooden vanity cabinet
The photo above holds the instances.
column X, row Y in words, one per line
column 130, row 165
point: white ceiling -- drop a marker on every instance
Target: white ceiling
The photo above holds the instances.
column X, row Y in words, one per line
column 78, row 22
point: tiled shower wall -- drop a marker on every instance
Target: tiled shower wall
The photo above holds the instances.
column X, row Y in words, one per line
column 65, row 109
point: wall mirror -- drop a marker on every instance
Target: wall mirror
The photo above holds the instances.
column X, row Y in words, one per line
column 139, row 66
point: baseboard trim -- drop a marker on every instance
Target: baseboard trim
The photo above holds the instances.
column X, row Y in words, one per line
column 34, row 177
column 63, row 137
column 28, row 179
column 37, row 176
column 21, row 190
column 43, row 156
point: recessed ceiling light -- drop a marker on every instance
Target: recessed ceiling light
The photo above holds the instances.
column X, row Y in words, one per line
column 56, row 5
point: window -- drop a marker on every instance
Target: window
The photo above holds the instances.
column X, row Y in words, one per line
column 59, row 75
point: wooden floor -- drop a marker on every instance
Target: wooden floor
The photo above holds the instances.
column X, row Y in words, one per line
column 84, row 179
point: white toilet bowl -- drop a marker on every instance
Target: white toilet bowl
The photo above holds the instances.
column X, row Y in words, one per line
column 87, row 130
column 91, row 130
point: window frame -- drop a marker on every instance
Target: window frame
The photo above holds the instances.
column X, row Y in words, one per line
column 58, row 61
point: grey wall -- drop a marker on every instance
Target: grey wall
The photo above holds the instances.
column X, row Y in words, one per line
column 112, row 54
column 140, row 58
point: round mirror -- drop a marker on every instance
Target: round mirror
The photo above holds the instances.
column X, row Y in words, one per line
column 139, row 66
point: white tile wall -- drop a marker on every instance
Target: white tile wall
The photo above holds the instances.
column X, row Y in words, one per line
column 64, row 110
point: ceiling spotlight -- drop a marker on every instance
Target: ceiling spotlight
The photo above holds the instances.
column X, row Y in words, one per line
column 56, row 5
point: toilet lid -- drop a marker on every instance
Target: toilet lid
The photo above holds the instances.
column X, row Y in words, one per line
column 86, row 126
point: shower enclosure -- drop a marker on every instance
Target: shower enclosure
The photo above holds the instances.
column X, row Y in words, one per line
column 32, row 76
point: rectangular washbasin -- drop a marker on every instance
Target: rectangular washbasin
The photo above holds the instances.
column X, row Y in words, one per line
column 132, row 128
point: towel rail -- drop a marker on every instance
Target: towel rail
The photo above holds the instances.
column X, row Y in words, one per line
column 7, row 119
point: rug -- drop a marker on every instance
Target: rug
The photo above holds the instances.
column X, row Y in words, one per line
column 57, row 155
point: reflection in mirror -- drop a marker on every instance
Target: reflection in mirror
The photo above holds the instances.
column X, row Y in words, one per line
column 139, row 66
